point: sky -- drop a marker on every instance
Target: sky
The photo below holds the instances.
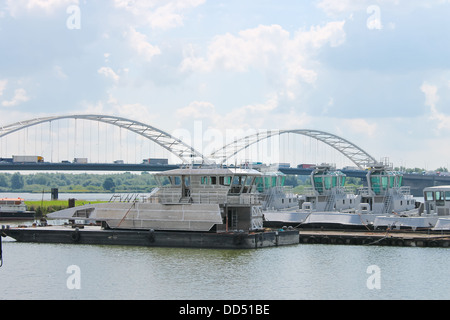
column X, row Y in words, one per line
column 375, row 72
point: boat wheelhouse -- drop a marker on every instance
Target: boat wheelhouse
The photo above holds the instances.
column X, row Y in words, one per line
column 232, row 193
column 436, row 201
column 12, row 205
column 275, row 195
column 385, row 193
column 328, row 191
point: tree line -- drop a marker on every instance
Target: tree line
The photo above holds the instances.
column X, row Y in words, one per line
column 79, row 182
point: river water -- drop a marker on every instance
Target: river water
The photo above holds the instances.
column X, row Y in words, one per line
column 55, row 271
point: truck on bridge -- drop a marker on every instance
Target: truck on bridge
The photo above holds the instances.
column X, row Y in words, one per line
column 27, row 159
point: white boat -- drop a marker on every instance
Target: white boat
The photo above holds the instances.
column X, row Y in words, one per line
column 275, row 195
column 330, row 204
column 327, row 193
column 14, row 209
column 191, row 199
column 434, row 213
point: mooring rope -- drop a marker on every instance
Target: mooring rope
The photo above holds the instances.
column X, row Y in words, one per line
column 126, row 214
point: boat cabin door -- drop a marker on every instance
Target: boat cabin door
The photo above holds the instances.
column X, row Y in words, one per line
column 185, row 186
column 232, row 219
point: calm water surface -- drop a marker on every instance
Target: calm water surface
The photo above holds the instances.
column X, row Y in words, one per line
column 39, row 271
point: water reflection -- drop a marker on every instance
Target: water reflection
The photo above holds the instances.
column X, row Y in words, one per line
column 38, row 271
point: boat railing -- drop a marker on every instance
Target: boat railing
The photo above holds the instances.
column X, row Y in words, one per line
column 250, row 198
column 208, row 197
column 364, row 191
column 310, row 191
column 168, row 195
column 403, row 191
column 128, row 197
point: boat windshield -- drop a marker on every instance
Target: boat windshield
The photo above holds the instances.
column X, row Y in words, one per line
column 382, row 181
column 439, row 196
column 328, row 181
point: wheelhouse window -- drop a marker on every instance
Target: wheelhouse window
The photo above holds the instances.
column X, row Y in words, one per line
column 204, row 180
column 175, row 181
column 318, row 183
column 429, row 196
column 375, row 182
column 439, row 196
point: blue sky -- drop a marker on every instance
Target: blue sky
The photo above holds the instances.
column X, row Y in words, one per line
column 374, row 72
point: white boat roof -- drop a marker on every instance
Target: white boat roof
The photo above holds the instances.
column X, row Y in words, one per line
column 437, row 188
column 210, row 172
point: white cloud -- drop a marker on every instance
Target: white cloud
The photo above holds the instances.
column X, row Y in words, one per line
column 285, row 58
column 197, row 110
column 360, row 127
column 159, row 14
column 248, row 117
column 20, row 95
column 252, row 48
column 431, row 99
column 2, row 86
column 134, row 111
column 138, row 41
column 59, row 73
column 109, row 73
column 332, row 7
column 17, row 7
column 346, row 7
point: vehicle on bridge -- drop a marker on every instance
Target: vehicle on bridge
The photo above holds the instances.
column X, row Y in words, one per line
column 27, row 159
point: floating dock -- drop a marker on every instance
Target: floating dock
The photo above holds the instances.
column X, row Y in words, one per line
column 380, row 238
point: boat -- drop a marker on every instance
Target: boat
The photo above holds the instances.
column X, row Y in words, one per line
column 330, row 204
column 14, row 209
column 192, row 207
column 433, row 214
column 275, row 195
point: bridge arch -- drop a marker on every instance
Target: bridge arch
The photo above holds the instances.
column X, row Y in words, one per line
column 165, row 140
column 357, row 155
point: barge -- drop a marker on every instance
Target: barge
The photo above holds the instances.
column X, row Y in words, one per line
column 192, row 207
column 152, row 238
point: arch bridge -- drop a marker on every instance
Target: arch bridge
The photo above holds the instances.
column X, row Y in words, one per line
column 186, row 153
column 357, row 155
column 162, row 138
